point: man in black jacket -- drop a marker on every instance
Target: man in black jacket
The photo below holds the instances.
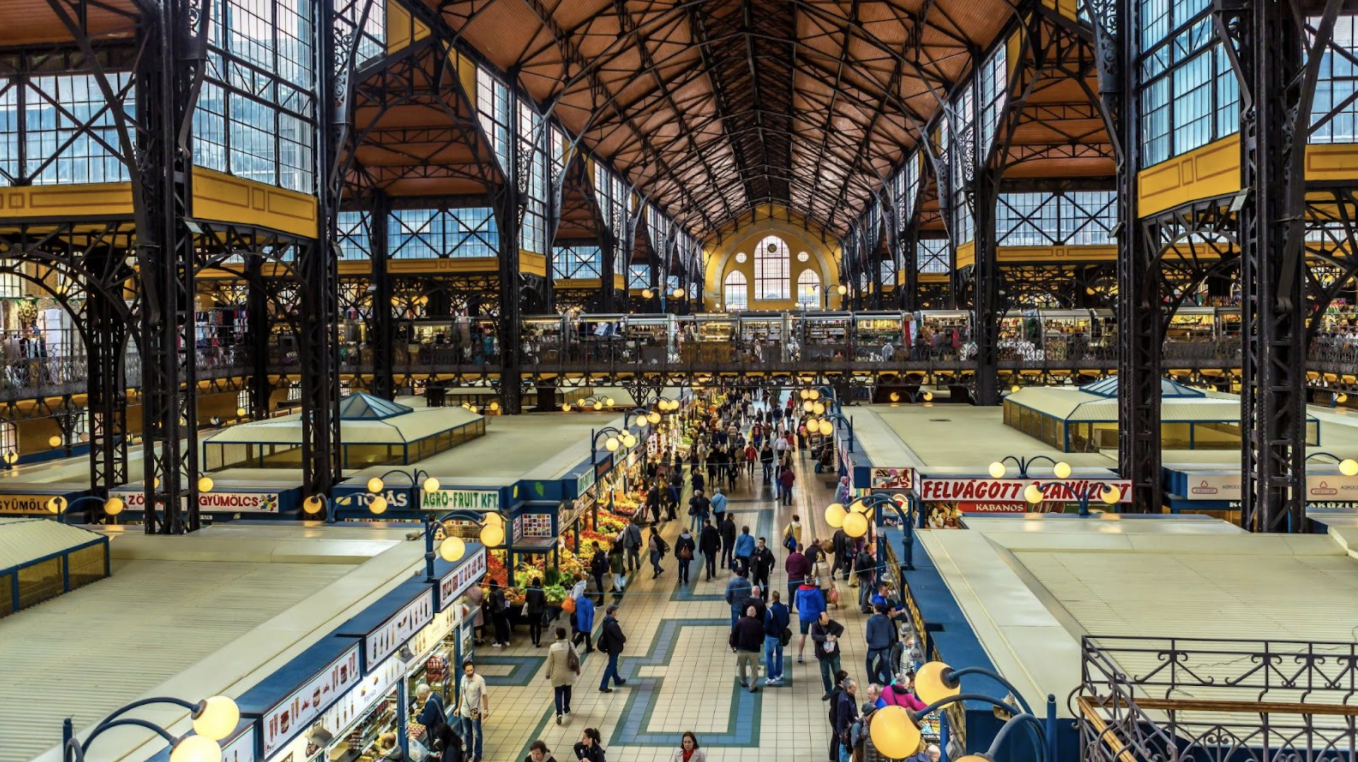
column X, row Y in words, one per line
column 611, row 641
column 728, row 540
column 846, row 713
column 598, row 566
column 755, row 601
column 747, row 638
column 710, row 545
column 762, row 564
column 653, row 502
column 825, row 633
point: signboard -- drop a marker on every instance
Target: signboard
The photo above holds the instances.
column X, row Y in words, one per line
column 583, row 482
column 238, row 502
column 402, row 626
column 892, row 478
column 298, row 711
column 993, row 507
column 1226, row 486
column 24, row 504
column 241, row 748
column 460, row 499
column 1011, row 490
column 457, row 581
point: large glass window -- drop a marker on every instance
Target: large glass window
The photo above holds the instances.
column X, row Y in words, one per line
column 58, row 148
column 638, row 277
column 533, row 228
column 494, row 107
column 577, row 262
column 772, row 264
column 355, row 239
column 256, row 109
column 932, row 256
column 443, row 233
column 994, row 88
column 1079, row 218
column 808, row 290
column 1336, row 88
column 1189, row 95
column 736, row 291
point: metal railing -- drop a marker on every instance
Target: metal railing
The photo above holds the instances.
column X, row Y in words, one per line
column 1180, row 699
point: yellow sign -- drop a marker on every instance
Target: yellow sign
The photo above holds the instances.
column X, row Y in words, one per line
column 16, row 505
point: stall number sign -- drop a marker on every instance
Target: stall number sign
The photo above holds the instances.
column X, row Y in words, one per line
column 24, row 504
column 401, row 627
column 300, row 709
column 460, row 500
column 460, row 579
column 1011, row 490
column 215, row 502
column 1320, row 488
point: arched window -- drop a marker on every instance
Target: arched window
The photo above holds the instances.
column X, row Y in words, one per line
column 736, row 292
column 808, row 289
column 772, row 266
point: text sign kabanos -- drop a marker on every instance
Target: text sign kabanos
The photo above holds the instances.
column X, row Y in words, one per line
column 460, row 500
column 298, row 711
column 402, row 626
column 457, row 581
column 1011, row 490
column 213, row 502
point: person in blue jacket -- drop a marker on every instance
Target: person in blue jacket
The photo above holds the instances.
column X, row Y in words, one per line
column 809, row 605
column 881, row 636
column 737, row 590
column 776, row 619
column 744, row 549
column 584, row 623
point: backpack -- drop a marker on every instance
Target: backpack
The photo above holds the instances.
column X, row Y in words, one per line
column 858, row 732
column 572, row 659
column 686, row 553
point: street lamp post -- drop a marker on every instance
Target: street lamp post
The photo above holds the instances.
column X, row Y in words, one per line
column 1347, row 466
column 58, row 505
column 854, row 519
column 998, row 470
column 327, row 505
column 213, row 721
column 1109, row 493
column 452, row 549
column 939, row 685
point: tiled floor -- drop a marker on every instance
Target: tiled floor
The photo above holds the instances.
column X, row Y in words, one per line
column 680, row 673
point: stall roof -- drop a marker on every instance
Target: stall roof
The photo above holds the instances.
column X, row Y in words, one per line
column 371, row 427
column 1032, row 587
column 1098, row 403
column 543, row 446
column 221, row 609
column 24, row 540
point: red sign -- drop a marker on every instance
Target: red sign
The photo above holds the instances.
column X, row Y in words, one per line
column 1011, row 490
column 993, row 507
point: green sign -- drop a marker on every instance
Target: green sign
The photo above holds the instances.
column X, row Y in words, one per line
column 583, row 482
column 460, row 500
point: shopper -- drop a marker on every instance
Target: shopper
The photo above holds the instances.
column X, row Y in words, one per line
column 744, row 550
column 842, row 557
column 473, row 707
column 589, row 748
column 728, row 541
column 785, row 480
column 718, row 505
column 476, row 598
column 583, row 620
column 598, row 567
column 833, row 714
column 685, row 548
column 846, row 715
column 688, row 750
column 539, row 752
column 762, row 562
column 776, row 622
column 825, row 633
column 617, row 567
column 766, row 459
column 535, row 602
column 699, row 506
column 499, row 614
column 902, row 693
column 710, row 545
column 611, row 642
column 865, row 568
column 631, row 542
column 432, row 715
column 658, row 548
column 792, row 533
column 844, row 492
column 755, row 598
column 881, row 638
column 563, row 667
column 675, row 486
column 798, row 569
column 810, row 605
column 737, row 590
column 747, row 639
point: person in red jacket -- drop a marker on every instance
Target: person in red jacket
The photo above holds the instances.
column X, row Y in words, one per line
column 785, row 481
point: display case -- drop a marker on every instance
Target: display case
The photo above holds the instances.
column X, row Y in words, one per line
column 880, row 336
column 649, row 338
column 544, row 339
column 825, row 335
column 708, row 339
column 763, row 336
column 447, row 341
column 943, row 335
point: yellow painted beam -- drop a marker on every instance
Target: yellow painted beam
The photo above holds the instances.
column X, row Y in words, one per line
column 67, row 202
column 532, row 264
column 1212, row 170
column 223, row 198
column 966, row 255
column 578, row 283
column 1337, row 161
column 1057, row 254
column 458, row 265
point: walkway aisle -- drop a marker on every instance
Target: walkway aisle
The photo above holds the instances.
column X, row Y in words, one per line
column 680, row 673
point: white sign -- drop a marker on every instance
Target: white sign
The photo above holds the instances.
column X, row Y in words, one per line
column 1011, row 490
column 456, row 582
column 993, row 507
column 1320, row 488
column 242, row 749
column 460, row 499
column 216, row 502
column 401, row 627
column 297, row 712
column 429, row 638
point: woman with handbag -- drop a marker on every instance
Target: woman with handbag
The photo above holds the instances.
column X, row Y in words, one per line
column 563, row 667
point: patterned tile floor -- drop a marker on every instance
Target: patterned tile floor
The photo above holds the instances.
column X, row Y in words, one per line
column 680, row 673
